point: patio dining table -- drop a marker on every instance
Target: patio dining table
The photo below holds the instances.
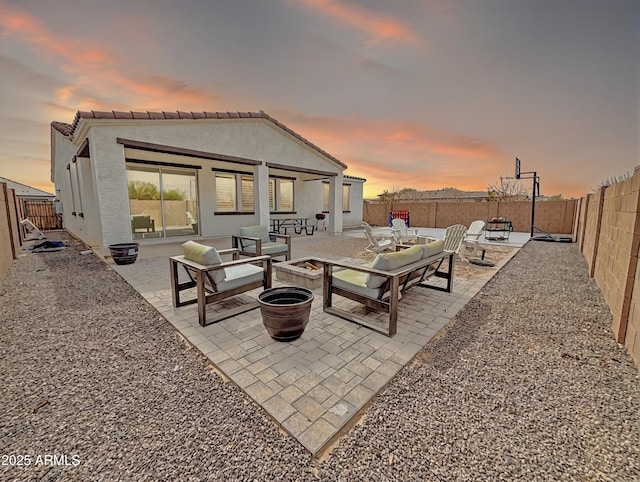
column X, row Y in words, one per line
column 297, row 224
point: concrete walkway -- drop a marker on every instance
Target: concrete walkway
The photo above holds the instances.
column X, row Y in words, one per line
column 315, row 386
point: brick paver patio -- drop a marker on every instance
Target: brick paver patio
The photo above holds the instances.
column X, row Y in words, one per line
column 313, row 386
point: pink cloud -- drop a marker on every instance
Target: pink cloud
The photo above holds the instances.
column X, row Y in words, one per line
column 377, row 26
column 93, row 68
column 401, row 153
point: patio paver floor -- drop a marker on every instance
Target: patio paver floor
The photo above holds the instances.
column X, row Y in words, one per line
column 315, row 385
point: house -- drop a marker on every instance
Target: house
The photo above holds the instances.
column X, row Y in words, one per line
column 27, row 192
column 40, row 207
column 160, row 177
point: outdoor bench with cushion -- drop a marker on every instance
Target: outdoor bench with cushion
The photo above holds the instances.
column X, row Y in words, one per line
column 257, row 241
column 379, row 286
column 216, row 280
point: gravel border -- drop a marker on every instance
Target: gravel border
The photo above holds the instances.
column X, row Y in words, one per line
column 526, row 384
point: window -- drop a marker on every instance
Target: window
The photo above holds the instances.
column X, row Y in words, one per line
column 163, row 200
column 234, row 192
column 281, row 194
column 346, row 196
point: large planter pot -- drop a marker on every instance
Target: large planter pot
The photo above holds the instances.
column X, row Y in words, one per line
column 124, row 253
column 285, row 311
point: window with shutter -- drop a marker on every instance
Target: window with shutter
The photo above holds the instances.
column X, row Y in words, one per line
column 248, row 203
column 225, row 192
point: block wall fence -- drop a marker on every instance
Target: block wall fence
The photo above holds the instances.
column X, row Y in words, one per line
column 608, row 234
column 555, row 217
column 9, row 237
column 605, row 225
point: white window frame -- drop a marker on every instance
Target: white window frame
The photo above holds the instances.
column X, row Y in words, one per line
column 275, row 195
column 238, row 177
column 346, row 197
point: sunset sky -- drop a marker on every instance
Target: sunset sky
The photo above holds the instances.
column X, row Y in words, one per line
column 422, row 94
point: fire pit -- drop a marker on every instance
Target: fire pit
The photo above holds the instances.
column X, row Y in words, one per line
column 305, row 272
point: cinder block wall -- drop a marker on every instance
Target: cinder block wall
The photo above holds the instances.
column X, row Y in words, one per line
column 553, row 216
column 592, row 228
column 7, row 239
column 611, row 242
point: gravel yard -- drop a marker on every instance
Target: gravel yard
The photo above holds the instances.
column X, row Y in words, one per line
column 526, row 383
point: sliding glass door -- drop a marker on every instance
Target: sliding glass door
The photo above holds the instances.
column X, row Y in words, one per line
column 163, row 201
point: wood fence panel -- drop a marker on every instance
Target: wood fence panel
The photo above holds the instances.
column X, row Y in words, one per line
column 42, row 214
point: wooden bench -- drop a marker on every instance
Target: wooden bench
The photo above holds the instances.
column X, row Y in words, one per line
column 381, row 289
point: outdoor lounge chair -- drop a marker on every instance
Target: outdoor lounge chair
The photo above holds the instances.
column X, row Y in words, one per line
column 142, row 221
column 379, row 286
column 377, row 244
column 470, row 244
column 32, row 229
column 402, row 233
column 453, row 238
column 216, row 280
column 257, row 241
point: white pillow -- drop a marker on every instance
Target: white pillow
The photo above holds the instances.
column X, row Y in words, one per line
column 389, row 261
column 206, row 255
column 201, row 253
column 432, row 249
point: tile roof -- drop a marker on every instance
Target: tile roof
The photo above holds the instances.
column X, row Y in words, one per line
column 69, row 129
column 354, row 178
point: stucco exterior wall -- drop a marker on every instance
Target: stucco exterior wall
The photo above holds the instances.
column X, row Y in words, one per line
column 64, row 151
column 353, row 218
column 103, row 175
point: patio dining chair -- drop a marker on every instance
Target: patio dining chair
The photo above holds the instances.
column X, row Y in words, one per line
column 377, row 244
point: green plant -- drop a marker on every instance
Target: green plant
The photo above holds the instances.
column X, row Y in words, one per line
column 173, row 195
column 143, row 190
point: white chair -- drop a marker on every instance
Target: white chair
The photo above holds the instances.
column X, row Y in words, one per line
column 470, row 245
column 453, row 238
column 32, row 229
column 377, row 244
column 402, row 233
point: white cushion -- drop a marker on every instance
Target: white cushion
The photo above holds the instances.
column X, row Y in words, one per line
column 240, row 275
column 270, row 248
column 391, row 261
column 354, row 281
column 205, row 255
column 255, row 232
column 432, row 249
